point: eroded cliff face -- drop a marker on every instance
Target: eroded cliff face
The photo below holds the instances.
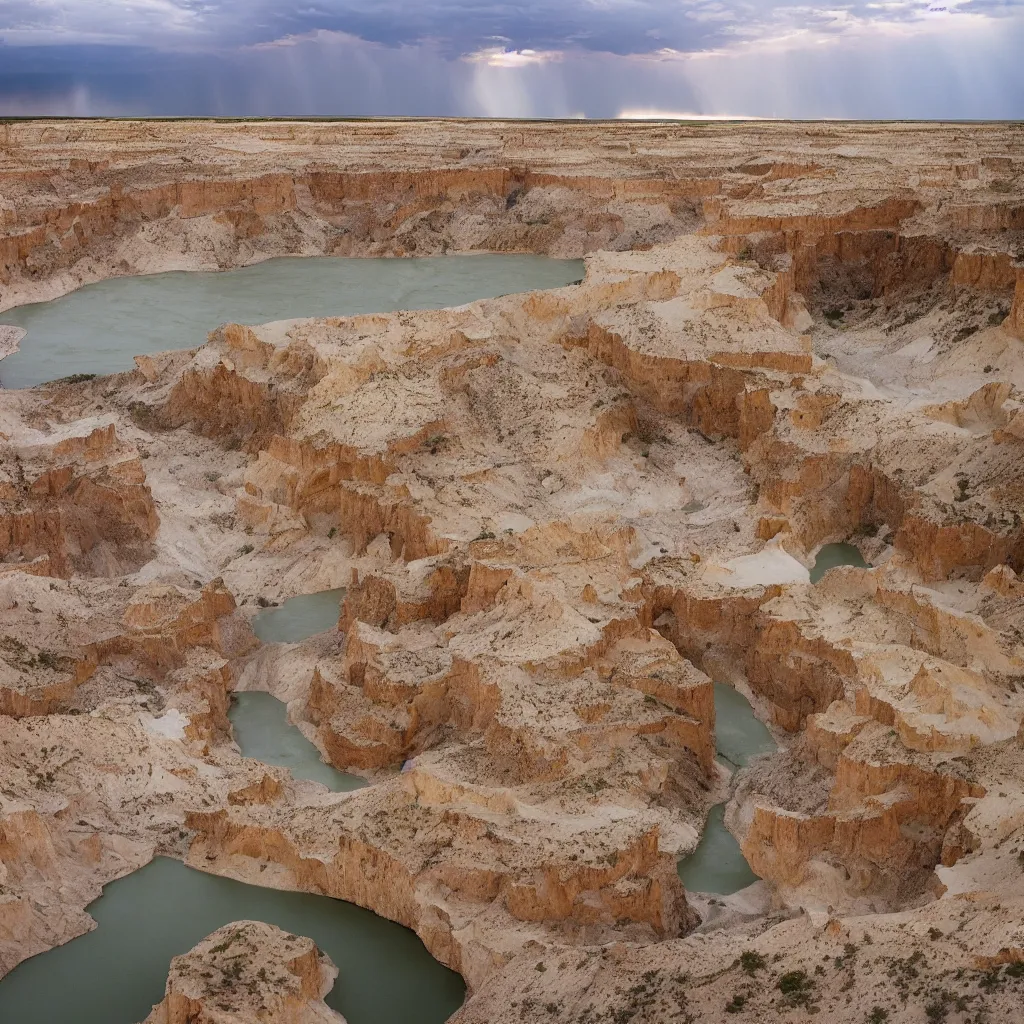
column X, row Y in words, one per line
column 559, row 515
column 74, row 501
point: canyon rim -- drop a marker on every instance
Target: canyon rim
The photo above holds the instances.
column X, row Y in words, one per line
column 560, row 517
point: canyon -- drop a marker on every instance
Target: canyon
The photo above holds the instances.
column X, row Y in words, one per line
column 561, row 517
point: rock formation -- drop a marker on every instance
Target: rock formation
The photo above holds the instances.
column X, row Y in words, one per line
column 247, row 972
column 558, row 515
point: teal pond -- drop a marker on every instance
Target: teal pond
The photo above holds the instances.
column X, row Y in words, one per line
column 259, row 722
column 832, row 555
column 300, row 617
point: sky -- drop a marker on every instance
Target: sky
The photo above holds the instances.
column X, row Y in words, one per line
column 514, row 58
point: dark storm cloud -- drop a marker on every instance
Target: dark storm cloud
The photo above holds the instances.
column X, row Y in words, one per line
column 595, row 58
column 453, row 27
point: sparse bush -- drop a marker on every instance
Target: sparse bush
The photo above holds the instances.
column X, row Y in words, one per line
column 647, row 431
column 736, row 1004
column 143, row 416
column 751, row 961
column 796, row 986
column 48, row 659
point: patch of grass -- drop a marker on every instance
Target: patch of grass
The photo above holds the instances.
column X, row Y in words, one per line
column 938, row 1009
column 752, row 962
column 736, row 1004
column 220, row 947
column 796, row 986
column 143, row 416
column 48, row 659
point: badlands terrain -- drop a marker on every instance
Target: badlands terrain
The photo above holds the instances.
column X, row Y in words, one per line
column 560, row 516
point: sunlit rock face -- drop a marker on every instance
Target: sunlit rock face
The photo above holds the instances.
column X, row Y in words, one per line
column 560, row 516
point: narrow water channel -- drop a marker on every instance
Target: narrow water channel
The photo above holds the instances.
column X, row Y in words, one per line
column 717, row 865
column 98, row 328
column 262, row 731
column 832, row 555
column 739, row 734
column 116, row 973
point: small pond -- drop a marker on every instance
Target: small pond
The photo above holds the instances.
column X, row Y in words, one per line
column 717, row 865
column 98, row 328
column 299, row 618
column 832, row 555
column 262, row 731
column 116, row 973
column 739, row 734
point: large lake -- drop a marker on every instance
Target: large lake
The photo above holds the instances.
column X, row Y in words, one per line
column 98, row 328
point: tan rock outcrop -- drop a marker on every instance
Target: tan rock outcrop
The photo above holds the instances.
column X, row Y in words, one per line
column 245, row 972
column 77, row 496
